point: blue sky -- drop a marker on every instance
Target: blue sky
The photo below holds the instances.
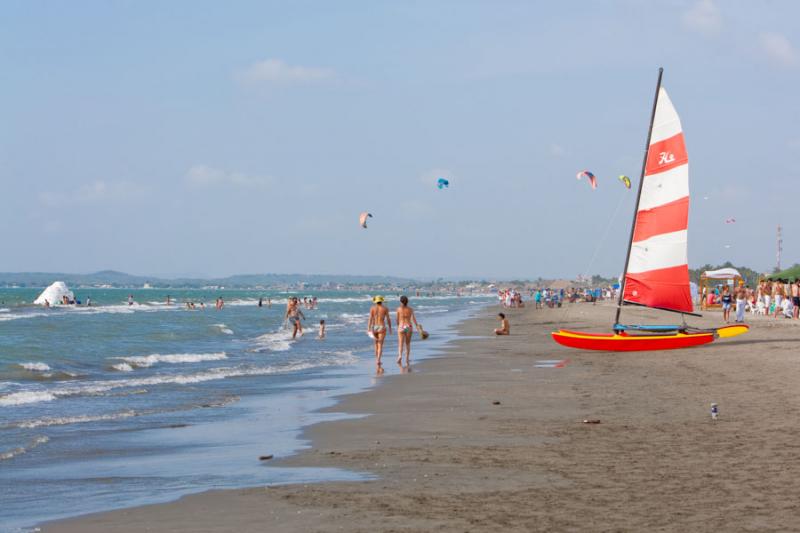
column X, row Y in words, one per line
column 211, row 138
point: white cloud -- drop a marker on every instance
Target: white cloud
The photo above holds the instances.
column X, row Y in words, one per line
column 276, row 71
column 92, row 193
column 556, row 150
column 205, row 176
column 779, row 49
column 704, row 17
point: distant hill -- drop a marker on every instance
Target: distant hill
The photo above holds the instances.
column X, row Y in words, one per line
column 121, row 279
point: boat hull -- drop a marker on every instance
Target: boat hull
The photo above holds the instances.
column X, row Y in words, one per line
column 733, row 330
column 622, row 342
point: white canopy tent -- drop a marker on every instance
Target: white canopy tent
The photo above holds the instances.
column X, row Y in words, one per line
column 722, row 273
column 709, row 278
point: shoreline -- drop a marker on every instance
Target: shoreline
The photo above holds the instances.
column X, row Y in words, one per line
column 446, row 456
column 340, row 382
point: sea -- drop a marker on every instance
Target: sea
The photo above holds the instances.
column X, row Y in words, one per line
column 117, row 405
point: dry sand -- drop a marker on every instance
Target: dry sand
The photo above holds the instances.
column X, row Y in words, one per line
column 448, row 458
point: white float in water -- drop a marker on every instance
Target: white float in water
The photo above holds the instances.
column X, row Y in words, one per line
column 54, row 294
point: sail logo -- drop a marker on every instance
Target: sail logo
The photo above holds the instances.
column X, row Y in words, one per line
column 666, row 154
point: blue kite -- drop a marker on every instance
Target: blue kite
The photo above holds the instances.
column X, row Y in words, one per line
column 442, row 183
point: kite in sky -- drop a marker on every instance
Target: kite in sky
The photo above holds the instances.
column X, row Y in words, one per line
column 362, row 219
column 442, row 183
column 626, row 180
column 590, row 176
column 730, row 220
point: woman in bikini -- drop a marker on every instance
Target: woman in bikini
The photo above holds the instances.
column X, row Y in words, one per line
column 405, row 328
column 377, row 326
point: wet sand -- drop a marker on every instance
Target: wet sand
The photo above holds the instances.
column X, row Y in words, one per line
column 482, row 440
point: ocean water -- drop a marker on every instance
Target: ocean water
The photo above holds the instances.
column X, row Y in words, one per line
column 116, row 405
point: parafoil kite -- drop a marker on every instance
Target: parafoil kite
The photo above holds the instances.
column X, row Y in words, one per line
column 730, row 220
column 626, row 180
column 590, row 176
column 362, row 219
column 442, row 183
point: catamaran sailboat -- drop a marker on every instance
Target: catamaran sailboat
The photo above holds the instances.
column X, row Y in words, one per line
column 656, row 271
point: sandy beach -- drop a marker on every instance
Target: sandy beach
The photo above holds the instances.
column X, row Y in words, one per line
column 480, row 439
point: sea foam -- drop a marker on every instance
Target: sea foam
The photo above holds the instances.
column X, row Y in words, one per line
column 144, row 361
column 35, row 367
column 279, row 341
column 223, row 329
column 23, row 397
column 36, row 441
column 103, row 386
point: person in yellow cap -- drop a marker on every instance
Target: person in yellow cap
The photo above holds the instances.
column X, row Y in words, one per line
column 377, row 327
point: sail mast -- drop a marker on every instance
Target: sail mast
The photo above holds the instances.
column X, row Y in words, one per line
column 638, row 197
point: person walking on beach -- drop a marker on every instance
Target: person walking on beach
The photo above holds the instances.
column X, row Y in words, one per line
column 505, row 327
column 293, row 315
column 406, row 320
column 379, row 323
column 795, row 288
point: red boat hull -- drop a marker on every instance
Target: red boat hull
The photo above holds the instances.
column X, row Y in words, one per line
column 622, row 342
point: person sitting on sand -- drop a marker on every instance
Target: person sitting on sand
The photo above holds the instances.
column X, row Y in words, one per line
column 405, row 319
column 377, row 327
column 505, row 328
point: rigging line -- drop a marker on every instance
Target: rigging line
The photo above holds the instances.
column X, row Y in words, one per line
column 599, row 244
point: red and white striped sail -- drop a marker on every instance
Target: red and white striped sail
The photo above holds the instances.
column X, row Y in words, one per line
column 658, row 270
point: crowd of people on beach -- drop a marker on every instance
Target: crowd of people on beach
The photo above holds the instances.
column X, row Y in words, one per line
column 551, row 298
column 778, row 298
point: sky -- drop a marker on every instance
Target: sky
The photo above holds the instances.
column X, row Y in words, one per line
column 213, row 138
